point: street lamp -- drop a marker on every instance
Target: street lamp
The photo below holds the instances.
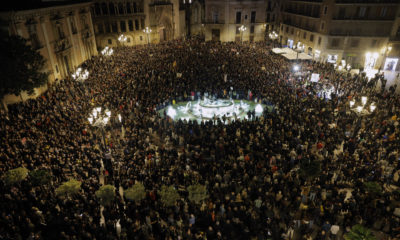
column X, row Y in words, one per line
column 107, row 51
column 242, row 29
column 100, row 120
column 122, row 38
column 385, row 51
column 187, row 15
column 80, row 75
column 147, row 30
column 296, row 68
column 273, row 36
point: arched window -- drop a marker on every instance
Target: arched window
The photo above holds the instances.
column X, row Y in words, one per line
column 112, row 9
column 97, row 9
column 128, row 8
column 104, row 9
column 120, row 9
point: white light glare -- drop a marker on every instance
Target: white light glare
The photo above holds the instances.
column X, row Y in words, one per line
column 364, row 100
column 359, row 108
column 372, row 108
column 171, row 112
column 351, row 103
column 296, row 68
column 259, row 108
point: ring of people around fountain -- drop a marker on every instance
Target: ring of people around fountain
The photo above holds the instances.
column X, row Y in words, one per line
column 212, row 109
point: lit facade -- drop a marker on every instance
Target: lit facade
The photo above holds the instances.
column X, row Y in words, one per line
column 113, row 18
column 62, row 34
column 352, row 32
column 220, row 20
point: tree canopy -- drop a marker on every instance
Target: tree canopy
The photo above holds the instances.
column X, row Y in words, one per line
column 21, row 66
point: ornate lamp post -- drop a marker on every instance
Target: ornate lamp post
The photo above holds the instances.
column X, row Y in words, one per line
column 80, row 75
column 273, row 36
column 122, row 39
column 242, row 29
column 100, row 119
column 147, row 30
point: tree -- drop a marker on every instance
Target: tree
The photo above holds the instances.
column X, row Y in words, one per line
column 69, row 188
column 309, row 169
column 21, row 66
column 106, row 194
column 168, row 195
column 197, row 193
column 373, row 188
column 15, row 175
column 136, row 193
column 40, row 177
column 359, row 232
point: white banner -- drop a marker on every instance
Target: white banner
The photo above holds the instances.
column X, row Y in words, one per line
column 315, row 77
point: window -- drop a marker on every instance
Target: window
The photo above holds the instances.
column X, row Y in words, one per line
column 100, row 28
column 142, row 24
column 273, row 17
column 141, row 38
column 108, row 30
column 305, row 35
column 33, row 37
column 134, row 7
column 398, row 32
column 215, row 17
column 287, row 29
column 252, row 29
column 60, row 32
column 130, row 25
column 120, row 9
column 373, row 43
column 114, row 27
column 322, row 26
column 109, row 41
column 319, row 40
column 268, row 17
column 97, row 9
column 335, row 42
column 269, row 6
column 123, row 26
column 73, row 27
column 128, row 40
column 361, row 11
column 136, row 24
column 104, row 9
column 245, row 17
column 253, row 17
column 311, row 38
column 112, row 9
column 342, row 13
column 237, row 30
column 325, row 10
column 281, row 27
column 354, row 43
column 292, row 31
column 128, row 8
column 383, row 12
column 238, row 17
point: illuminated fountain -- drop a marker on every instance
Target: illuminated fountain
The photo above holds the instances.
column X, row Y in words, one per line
column 209, row 109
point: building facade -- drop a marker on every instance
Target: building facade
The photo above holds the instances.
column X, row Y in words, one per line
column 346, row 32
column 220, row 20
column 113, row 18
column 62, row 34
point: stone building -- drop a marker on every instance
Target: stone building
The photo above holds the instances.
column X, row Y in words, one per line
column 351, row 33
column 113, row 18
column 220, row 20
column 61, row 31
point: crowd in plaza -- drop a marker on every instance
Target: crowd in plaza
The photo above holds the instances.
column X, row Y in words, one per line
column 251, row 168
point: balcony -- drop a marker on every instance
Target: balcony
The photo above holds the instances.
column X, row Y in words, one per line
column 307, row 28
column 357, row 19
column 307, row 1
column 303, row 14
column 356, row 33
column 62, row 45
column 367, row 1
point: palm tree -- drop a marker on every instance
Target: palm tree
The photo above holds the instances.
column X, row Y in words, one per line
column 359, row 232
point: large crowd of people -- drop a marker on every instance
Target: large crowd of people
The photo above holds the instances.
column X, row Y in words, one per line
column 252, row 169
